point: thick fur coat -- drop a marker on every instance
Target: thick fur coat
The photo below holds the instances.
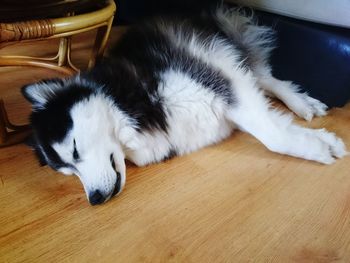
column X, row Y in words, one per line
column 170, row 87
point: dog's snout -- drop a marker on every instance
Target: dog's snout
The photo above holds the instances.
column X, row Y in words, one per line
column 96, row 198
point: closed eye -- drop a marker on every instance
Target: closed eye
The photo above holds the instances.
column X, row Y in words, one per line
column 111, row 157
column 76, row 156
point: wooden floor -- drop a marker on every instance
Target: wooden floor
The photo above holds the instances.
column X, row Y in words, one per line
column 233, row 202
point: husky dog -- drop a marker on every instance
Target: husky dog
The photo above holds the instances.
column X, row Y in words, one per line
column 170, row 87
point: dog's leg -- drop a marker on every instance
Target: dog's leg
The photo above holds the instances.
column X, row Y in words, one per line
column 275, row 130
column 300, row 103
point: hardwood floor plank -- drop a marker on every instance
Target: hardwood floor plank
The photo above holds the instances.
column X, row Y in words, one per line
column 231, row 202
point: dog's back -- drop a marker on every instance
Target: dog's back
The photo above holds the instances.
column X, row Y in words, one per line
column 170, row 87
column 173, row 77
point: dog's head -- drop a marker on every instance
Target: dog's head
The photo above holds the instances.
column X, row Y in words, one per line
column 75, row 131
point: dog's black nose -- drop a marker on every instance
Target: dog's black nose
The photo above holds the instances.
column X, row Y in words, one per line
column 96, row 198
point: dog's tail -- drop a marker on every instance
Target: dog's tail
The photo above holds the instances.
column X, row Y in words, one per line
column 242, row 28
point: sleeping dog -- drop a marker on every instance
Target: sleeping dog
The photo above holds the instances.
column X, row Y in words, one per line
column 170, row 87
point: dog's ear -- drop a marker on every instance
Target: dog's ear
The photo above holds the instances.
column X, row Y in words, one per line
column 32, row 142
column 39, row 93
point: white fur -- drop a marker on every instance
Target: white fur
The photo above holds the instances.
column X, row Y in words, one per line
column 41, row 92
column 96, row 136
column 300, row 103
column 196, row 116
column 252, row 114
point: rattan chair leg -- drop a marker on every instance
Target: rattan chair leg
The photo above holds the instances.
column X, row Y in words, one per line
column 100, row 43
column 62, row 28
column 9, row 133
column 69, row 58
column 3, row 130
column 62, row 51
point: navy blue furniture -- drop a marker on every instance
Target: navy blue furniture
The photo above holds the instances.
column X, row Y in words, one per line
column 315, row 56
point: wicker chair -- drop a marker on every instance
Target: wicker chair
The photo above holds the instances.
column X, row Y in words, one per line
column 76, row 20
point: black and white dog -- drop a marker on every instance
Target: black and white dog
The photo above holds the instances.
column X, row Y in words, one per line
column 170, row 87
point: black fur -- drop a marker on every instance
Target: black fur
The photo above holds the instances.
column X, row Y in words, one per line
column 32, row 142
column 131, row 93
column 131, row 76
column 52, row 122
column 171, row 154
column 208, row 26
column 54, row 129
column 76, row 155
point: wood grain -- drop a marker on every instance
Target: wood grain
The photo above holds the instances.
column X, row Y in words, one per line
column 232, row 202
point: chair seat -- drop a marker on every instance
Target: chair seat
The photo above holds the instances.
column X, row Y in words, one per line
column 49, row 19
column 16, row 11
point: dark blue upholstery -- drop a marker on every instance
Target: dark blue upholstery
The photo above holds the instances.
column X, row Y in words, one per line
column 315, row 56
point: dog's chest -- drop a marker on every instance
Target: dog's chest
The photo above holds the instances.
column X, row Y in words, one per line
column 195, row 118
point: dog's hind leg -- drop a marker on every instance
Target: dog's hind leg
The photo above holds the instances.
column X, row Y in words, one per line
column 300, row 103
column 275, row 130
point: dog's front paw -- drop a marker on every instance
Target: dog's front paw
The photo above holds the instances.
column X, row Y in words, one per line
column 316, row 145
column 323, row 146
column 127, row 136
column 335, row 144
